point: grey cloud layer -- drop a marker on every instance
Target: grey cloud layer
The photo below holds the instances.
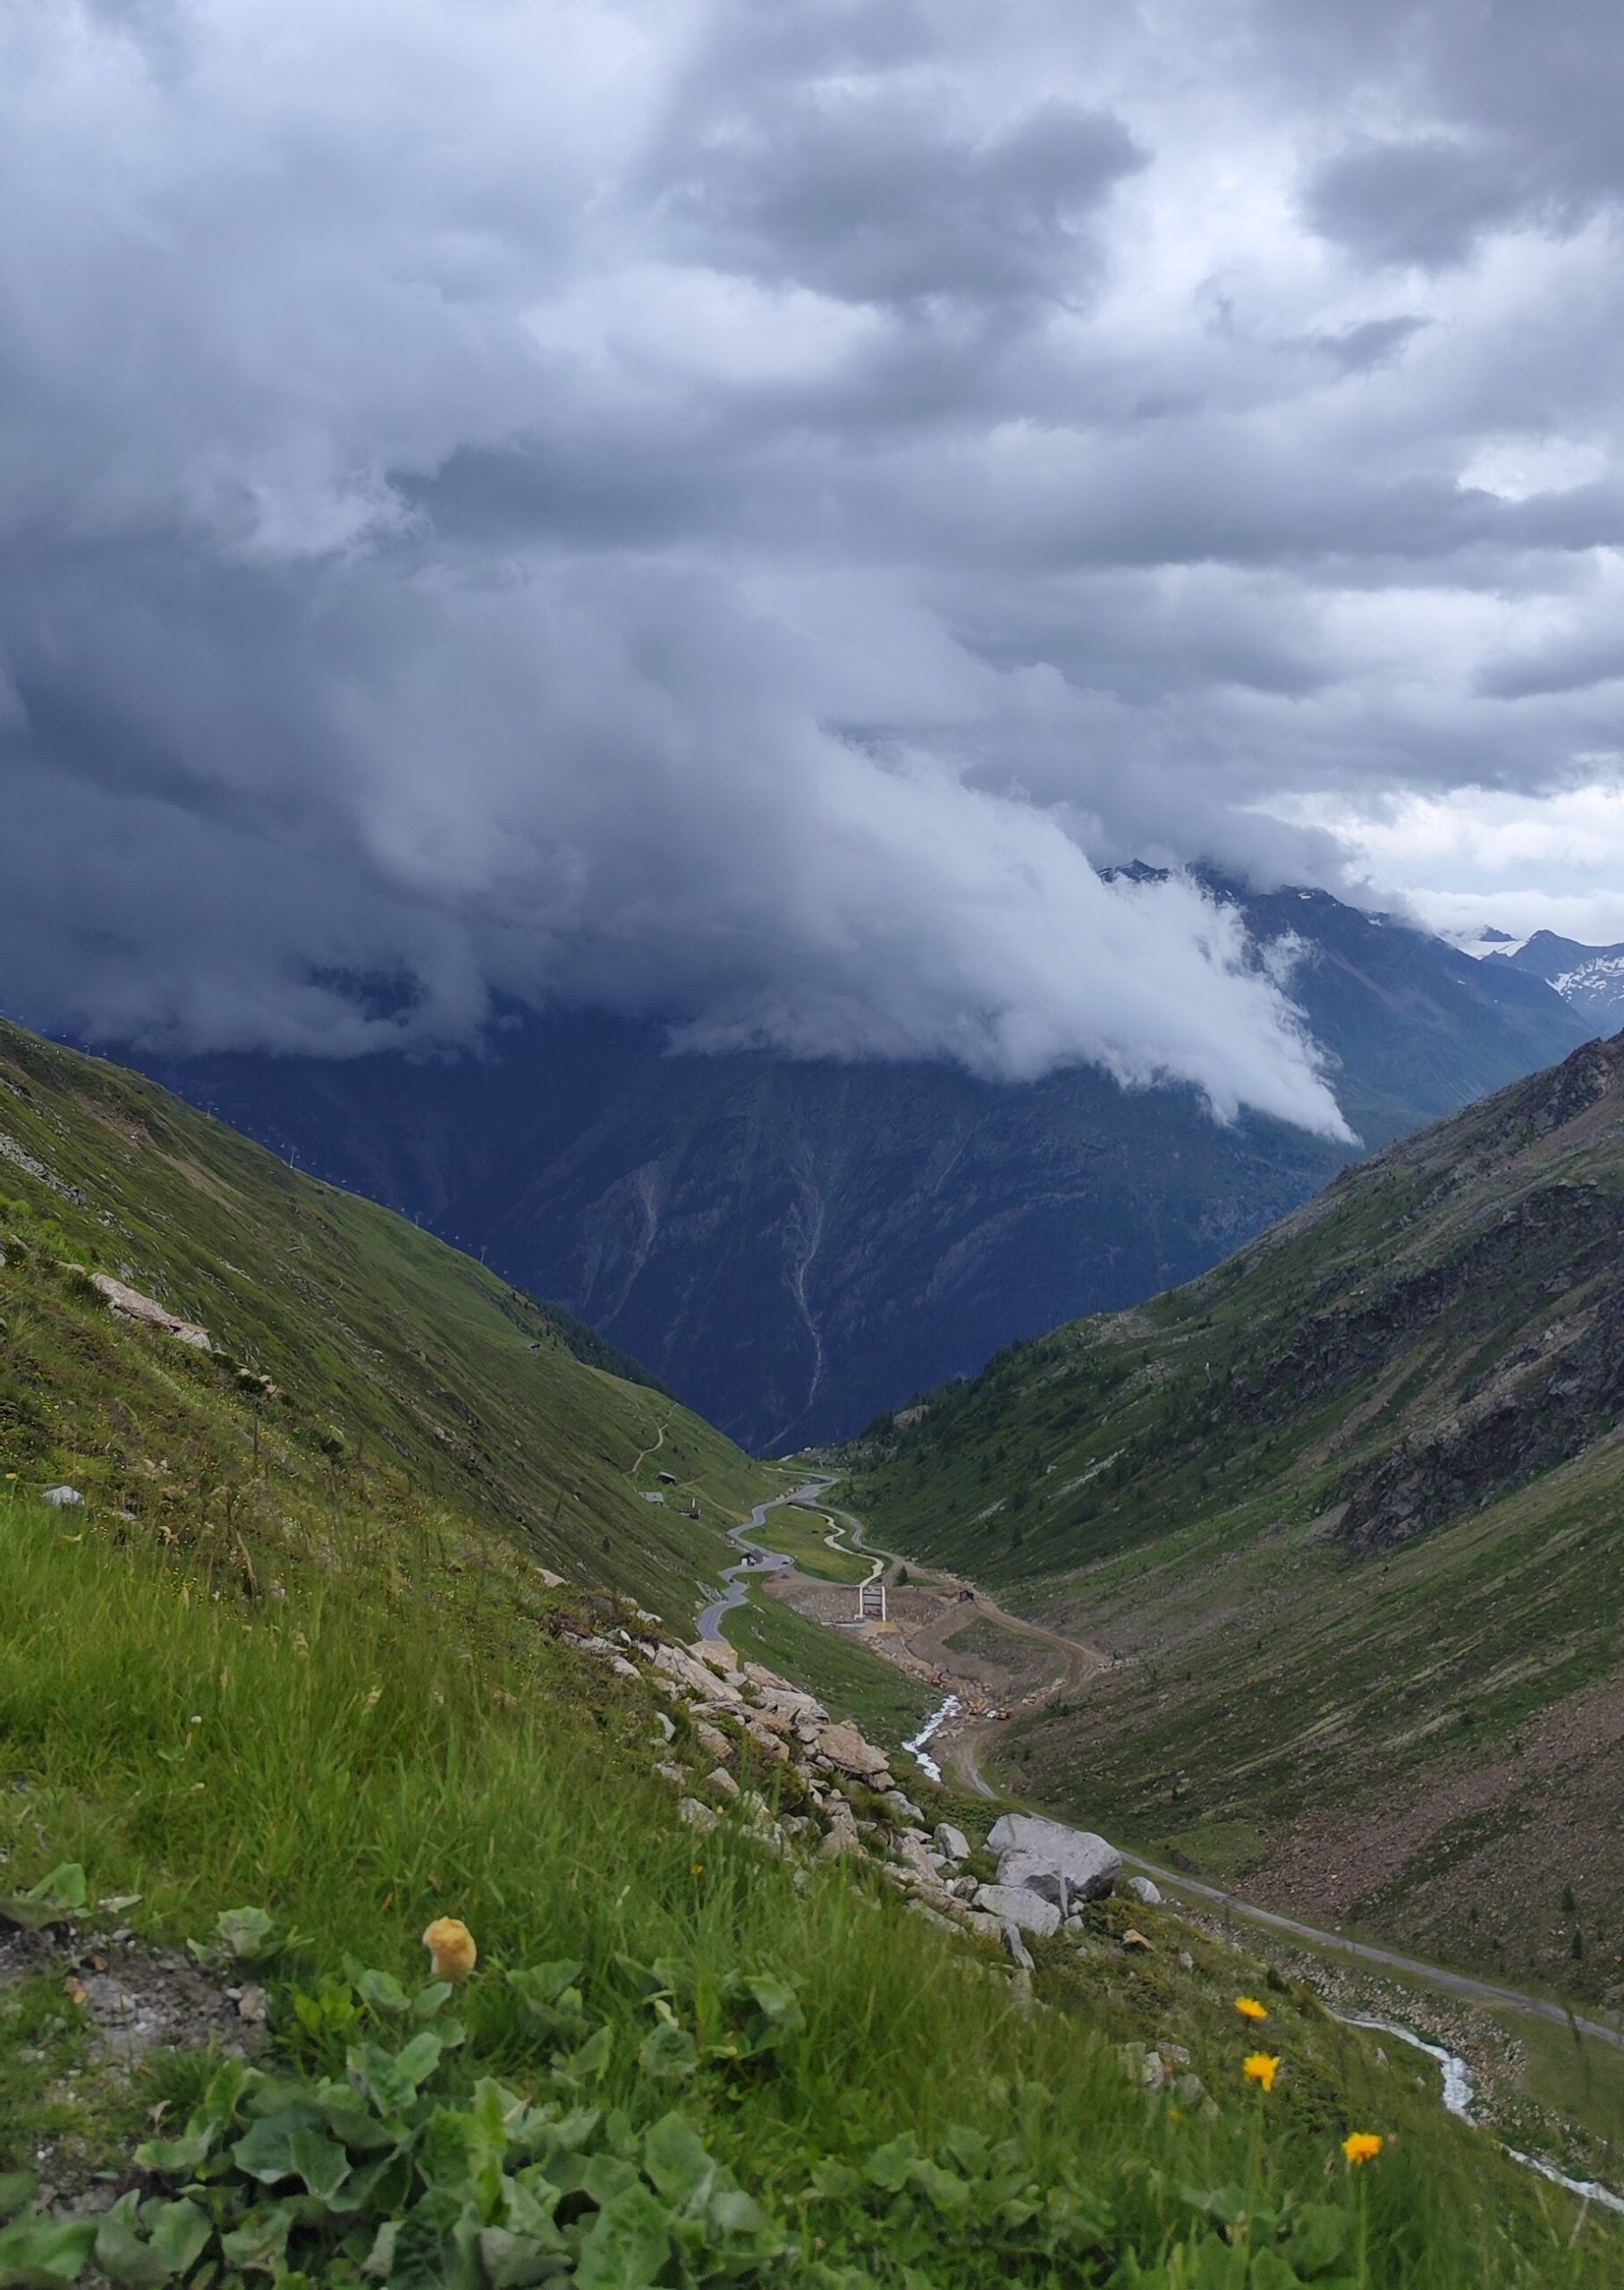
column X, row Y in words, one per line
column 741, row 511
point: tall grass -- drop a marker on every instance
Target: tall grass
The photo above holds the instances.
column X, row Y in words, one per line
column 358, row 1761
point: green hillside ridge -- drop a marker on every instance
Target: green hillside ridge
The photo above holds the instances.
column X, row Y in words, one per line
column 1348, row 1513
column 409, row 1382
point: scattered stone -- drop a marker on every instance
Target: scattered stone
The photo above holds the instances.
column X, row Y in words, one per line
column 844, row 1747
column 62, row 1498
column 721, row 1780
column 1136, row 1941
column 841, row 1839
column 907, row 1807
column 1174, row 2053
column 1014, row 1904
column 1143, row 1890
column 668, row 1732
column 697, row 1815
column 1036, row 1873
column 720, row 1657
column 716, row 1743
column 621, row 1668
column 673, row 1773
column 130, row 1305
column 951, row 1842
column 1187, row 1963
column 1015, row 1946
column 1089, row 1865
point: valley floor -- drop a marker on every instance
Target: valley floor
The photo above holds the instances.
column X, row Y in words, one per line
column 949, row 1633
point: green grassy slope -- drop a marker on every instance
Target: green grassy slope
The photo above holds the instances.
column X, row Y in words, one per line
column 364, row 1757
column 410, row 1382
column 1348, row 1513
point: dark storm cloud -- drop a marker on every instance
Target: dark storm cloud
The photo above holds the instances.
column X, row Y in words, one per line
column 1426, row 203
column 741, row 512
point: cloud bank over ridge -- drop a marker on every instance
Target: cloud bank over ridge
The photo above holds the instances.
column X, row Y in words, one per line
column 741, row 513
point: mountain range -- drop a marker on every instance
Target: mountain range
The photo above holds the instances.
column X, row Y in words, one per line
column 1589, row 979
column 792, row 1245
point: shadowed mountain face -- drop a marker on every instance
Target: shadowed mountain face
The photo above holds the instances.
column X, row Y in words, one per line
column 1589, row 979
column 793, row 1245
column 1345, row 1511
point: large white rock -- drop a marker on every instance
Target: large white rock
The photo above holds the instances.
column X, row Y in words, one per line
column 845, row 1747
column 1014, row 1904
column 1089, row 1865
column 953, row 1842
column 1143, row 1890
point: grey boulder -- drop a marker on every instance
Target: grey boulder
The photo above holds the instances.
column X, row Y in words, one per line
column 1089, row 1865
column 952, row 1842
column 1014, row 1904
column 1143, row 1890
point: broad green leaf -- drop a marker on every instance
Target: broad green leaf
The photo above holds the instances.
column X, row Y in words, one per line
column 835, row 2182
column 668, row 2053
column 595, row 2054
column 606, row 2176
column 1320, row 2240
column 17, row 2189
column 945, row 2189
column 177, row 2158
column 510, row 2261
column 778, row 2000
column 320, row 2163
column 890, row 2166
column 41, row 2253
column 349, row 2118
column 382, row 2078
column 152, row 2244
column 259, row 2239
column 245, row 1932
column 423, row 2255
column 56, row 1897
column 266, row 2151
column 427, row 2000
column 445, row 2151
column 627, row 2244
column 1270, row 2271
column 382, row 1992
column 675, row 2159
column 420, row 2057
column 736, row 2219
column 546, row 1983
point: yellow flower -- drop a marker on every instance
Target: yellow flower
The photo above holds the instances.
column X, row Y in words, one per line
column 698, row 1869
column 451, row 1947
column 1250, row 2008
column 1263, row 2068
column 1363, row 2146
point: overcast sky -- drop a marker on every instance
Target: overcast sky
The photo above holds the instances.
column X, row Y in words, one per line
column 739, row 511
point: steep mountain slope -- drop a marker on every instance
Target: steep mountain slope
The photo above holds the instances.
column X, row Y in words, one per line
column 790, row 1245
column 1589, row 979
column 350, row 1362
column 1347, row 1514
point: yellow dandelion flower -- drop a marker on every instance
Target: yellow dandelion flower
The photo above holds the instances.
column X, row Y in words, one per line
column 1263, row 2068
column 698, row 1869
column 1250, row 2008
column 1363, row 2146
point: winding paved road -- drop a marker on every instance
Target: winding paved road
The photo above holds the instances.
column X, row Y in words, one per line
column 761, row 1561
